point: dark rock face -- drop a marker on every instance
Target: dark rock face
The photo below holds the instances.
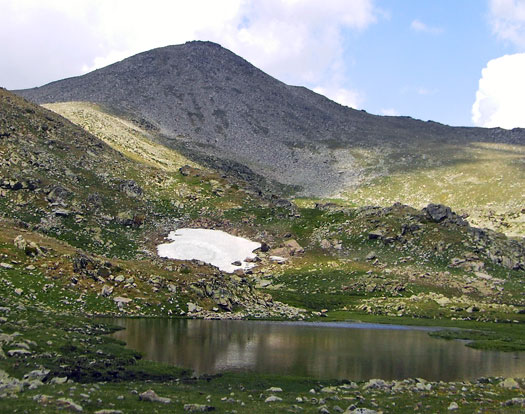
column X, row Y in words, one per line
column 216, row 107
column 439, row 213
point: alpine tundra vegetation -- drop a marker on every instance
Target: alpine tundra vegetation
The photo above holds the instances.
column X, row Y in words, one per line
column 344, row 215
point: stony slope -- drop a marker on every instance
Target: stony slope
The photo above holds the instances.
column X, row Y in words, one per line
column 86, row 219
column 205, row 98
column 60, row 181
column 219, row 110
column 79, row 219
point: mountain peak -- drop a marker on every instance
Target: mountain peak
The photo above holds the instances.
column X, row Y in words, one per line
column 218, row 108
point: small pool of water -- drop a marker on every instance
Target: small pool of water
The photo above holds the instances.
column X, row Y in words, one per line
column 321, row 350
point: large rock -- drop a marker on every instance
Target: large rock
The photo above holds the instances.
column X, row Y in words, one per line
column 69, row 404
column 510, row 384
column 121, row 301
column 33, row 249
column 107, row 290
column 198, row 408
column 440, row 213
column 20, row 242
column 30, row 248
column 131, row 188
column 58, row 195
column 293, row 246
column 152, row 396
column 272, row 398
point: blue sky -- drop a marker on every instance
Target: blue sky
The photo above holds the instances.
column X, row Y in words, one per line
column 430, row 74
column 458, row 62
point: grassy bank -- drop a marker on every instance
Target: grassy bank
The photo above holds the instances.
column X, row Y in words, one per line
column 103, row 375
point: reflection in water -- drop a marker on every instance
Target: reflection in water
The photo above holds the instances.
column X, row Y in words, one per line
column 312, row 350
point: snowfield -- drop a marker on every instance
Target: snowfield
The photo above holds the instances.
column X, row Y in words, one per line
column 210, row 246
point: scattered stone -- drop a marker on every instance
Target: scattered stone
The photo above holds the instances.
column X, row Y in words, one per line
column 198, row 408
column 19, row 291
column 375, row 235
column 121, row 301
column 20, row 242
column 192, row 307
column 360, row 411
column 272, row 398
column 325, row 244
column 105, row 411
column 131, row 188
column 58, row 380
column 18, row 352
column 375, row 384
column 274, row 389
column 437, row 212
column 453, row 406
column 6, row 265
column 520, row 402
column 69, row 404
column 38, row 374
column 278, row 259
column 152, row 396
column 119, row 279
column 42, row 399
column 62, row 212
column 107, row 290
column 510, row 384
column 442, row 301
column 293, row 246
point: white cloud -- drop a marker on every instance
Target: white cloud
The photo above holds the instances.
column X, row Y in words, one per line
column 299, row 42
column 389, row 112
column 499, row 99
column 426, row 91
column 418, row 26
column 342, row 96
column 507, row 18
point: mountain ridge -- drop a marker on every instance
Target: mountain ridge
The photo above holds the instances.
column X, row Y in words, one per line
column 209, row 101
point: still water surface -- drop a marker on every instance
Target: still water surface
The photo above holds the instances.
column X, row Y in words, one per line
column 334, row 350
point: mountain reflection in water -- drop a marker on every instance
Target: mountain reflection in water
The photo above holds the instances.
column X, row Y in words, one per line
column 312, row 350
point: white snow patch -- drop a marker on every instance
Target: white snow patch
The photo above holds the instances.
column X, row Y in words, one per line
column 210, row 246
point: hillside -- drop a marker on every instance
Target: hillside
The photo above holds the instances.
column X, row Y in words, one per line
column 118, row 203
column 219, row 110
column 80, row 217
column 88, row 217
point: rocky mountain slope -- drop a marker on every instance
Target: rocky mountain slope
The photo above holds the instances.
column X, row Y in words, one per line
column 105, row 201
column 81, row 214
column 84, row 204
column 218, row 109
column 86, row 219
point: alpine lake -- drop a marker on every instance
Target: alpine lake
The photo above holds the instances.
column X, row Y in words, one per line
column 332, row 350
